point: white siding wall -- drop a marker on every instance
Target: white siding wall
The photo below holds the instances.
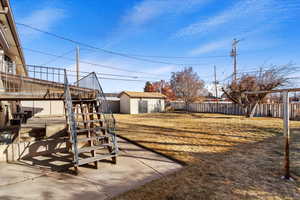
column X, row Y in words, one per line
column 162, row 105
column 150, row 104
column 40, row 108
column 124, row 104
column 134, row 106
column 153, row 105
column 4, row 106
column 131, row 105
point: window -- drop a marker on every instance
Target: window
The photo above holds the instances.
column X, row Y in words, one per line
column 9, row 66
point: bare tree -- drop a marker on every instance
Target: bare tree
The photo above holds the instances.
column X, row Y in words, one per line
column 269, row 79
column 186, row 85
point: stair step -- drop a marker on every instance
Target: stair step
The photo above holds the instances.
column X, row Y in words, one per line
column 94, row 113
column 93, row 159
column 90, row 129
column 91, row 148
column 86, row 100
column 90, row 121
column 92, row 138
column 77, row 106
column 80, row 114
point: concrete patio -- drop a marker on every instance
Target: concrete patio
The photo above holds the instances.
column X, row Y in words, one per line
column 135, row 167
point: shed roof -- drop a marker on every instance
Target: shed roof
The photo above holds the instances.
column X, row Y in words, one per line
column 155, row 95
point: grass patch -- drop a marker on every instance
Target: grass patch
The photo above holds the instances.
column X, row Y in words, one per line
column 227, row 157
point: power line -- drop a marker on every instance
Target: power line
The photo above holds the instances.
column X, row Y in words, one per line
column 106, row 74
column 101, row 49
column 258, row 71
column 115, row 79
column 118, row 79
column 58, row 57
column 255, row 70
column 84, row 62
column 227, row 78
column 89, row 63
column 83, row 72
column 174, row 57
column 99, row 75
column 182, row 57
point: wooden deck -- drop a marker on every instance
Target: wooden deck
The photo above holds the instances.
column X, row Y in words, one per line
column 26, row 88
column 54, row 96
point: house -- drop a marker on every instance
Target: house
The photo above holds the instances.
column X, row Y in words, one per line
column 141, row 102
column 11, row 59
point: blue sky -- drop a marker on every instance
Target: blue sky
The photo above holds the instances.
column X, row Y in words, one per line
column 269, row 29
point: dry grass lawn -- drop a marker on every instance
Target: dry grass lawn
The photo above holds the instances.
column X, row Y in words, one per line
column 227, row 157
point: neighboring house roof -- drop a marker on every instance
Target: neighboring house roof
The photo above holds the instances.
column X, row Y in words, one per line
column 154, row 95
column 112, row 98
column 111, row 94
column 13, row 37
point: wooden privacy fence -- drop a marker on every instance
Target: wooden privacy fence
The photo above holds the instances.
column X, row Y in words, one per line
column 262, row 110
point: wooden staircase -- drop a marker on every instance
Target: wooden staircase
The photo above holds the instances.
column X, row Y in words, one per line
column 91, row 128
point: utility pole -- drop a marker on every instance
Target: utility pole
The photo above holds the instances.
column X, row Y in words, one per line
column 286, row 118
column 216, row 82
column 77, row 65
column 233, row 54
column 161, row 86
column 216, row 86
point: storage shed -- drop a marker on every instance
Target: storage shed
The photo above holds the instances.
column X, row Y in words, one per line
column 141, row 102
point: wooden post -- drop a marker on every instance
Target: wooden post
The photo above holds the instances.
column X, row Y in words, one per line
column 286, row 134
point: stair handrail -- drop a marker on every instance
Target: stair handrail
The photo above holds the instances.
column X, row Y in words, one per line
column 111, row 128
column 108, row 116
column 109, row 110
column 71, row 117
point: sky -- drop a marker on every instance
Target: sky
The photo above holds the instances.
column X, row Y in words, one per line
column 201, row 31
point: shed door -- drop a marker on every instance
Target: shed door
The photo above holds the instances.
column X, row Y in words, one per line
column 143, row 106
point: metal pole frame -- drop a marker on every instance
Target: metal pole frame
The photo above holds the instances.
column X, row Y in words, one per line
column 286, row 125
column 286, row 128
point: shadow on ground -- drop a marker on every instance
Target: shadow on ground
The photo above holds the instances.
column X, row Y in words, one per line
column 243, row 170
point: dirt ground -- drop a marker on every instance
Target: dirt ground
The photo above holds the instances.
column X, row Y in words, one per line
column 227, row 157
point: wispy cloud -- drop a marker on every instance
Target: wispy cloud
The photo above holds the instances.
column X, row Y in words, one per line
column 44, row 19
column 242, row 15
column 135, row 19
column 251, row 41
column 148, row 10
column 211, row 47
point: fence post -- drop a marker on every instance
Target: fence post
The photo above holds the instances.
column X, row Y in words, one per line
column 286, row 117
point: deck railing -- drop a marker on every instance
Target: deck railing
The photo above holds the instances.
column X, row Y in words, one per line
column 40, row 81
